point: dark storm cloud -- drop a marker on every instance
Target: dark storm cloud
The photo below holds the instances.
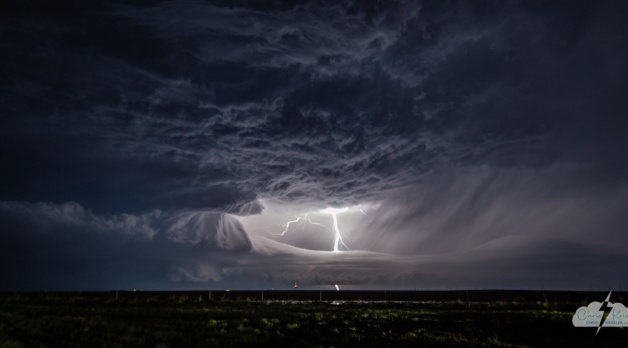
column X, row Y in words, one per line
column 464, row 122
column 65, row 246
column 193, row 104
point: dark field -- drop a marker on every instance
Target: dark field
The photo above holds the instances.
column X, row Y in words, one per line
column 299, row 318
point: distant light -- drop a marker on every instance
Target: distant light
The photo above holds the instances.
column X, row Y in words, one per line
column 296, row 285
column 337, row 287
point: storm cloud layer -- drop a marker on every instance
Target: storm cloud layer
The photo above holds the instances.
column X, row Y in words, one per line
column 155, row 123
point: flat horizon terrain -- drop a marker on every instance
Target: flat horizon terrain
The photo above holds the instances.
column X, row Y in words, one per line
column 474, row 318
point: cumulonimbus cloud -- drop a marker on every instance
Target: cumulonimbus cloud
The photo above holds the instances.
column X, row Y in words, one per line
column 161, row 121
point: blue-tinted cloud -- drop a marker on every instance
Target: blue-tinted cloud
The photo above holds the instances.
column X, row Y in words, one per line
column 187, row 104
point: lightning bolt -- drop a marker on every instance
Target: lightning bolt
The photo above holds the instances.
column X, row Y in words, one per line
column 315, row 223
column 286, row 227
column 299, row 221
column 365, row 214
column 604, row 307
column 337, row 238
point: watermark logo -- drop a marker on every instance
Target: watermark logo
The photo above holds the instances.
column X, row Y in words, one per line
column 604, row 314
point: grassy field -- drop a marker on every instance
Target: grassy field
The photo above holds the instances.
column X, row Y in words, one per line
column 198, row 320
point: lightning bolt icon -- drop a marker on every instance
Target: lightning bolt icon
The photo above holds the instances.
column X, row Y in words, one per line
column 604, row 307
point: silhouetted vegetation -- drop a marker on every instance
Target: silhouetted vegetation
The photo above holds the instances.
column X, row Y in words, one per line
column 237, row 319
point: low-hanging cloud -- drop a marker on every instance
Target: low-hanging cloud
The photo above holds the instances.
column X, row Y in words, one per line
column 212, row 229
column 93, row 251
column 62, row 247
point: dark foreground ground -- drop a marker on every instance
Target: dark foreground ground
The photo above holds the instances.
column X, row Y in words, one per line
column 300, row 319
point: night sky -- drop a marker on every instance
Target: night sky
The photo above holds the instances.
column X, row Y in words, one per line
column 168, row 144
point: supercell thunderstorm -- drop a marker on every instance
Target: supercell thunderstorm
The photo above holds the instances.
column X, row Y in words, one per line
column 195, row 144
